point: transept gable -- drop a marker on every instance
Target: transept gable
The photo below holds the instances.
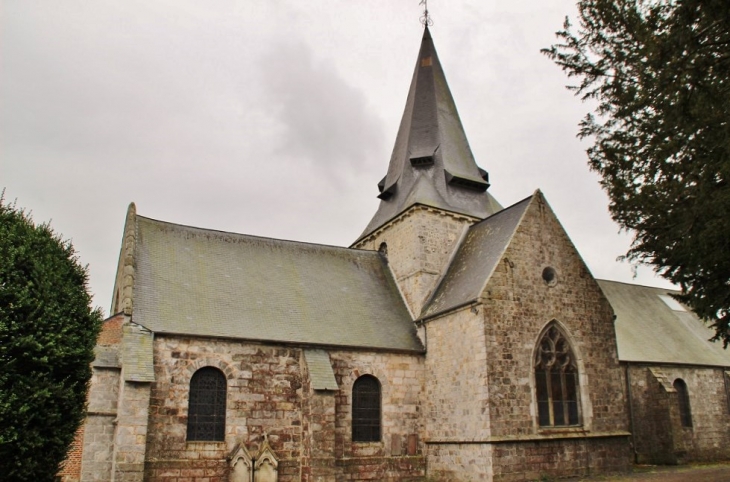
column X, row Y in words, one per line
column 541, row 264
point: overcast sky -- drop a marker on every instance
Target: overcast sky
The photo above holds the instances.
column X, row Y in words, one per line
column 275, row 118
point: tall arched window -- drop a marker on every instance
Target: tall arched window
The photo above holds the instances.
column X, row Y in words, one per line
column 207, row 405
column 366, row 409
column 685, row 413
column 556, row 381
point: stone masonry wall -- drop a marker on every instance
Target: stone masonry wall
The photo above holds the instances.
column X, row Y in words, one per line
column 651, row 416
column 519, row 303
column 480, row 358
column 420, row 243
column 399, row 454
column 269, row 392
column 99, row 426
column 264, row 396
column 658, row 433
column 457, row 394
column 97, row 433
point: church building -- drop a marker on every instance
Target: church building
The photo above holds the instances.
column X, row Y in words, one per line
column 455, row 340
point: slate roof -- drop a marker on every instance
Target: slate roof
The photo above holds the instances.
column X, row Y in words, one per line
column 648, row 330
column 210, row 283
column 432, row 163
column 320, row 370
column 476, row 258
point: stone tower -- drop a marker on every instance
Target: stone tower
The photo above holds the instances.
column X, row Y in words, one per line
column 433, row 189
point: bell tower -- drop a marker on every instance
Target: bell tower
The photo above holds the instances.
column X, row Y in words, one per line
column 433, row 189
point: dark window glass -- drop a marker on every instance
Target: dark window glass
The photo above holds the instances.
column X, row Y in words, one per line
column 685, row 413
column 207, row 405
column 366, row 409
column 556, row 381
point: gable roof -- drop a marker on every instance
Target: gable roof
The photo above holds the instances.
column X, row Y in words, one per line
column 201, row 282
column 648, row 330
column 432, row 163
column 476, row 258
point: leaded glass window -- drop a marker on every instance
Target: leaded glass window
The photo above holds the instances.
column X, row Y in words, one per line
column 556, row 381
column 207, row 405
column 685, row 413
column 366, row 409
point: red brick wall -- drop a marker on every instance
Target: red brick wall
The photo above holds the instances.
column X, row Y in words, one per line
column 111, row 330
column 71, row 467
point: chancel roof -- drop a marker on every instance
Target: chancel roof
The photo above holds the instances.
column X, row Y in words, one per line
column 195, row 281
column 432, row 163
column 648, row 329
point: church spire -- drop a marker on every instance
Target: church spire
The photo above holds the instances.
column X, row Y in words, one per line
column 432, row 163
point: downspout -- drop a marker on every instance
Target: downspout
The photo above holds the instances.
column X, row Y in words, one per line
column 631, row 412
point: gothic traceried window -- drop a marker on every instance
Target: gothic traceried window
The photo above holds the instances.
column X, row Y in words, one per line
column 556, row 381
column 207, row 405
column 366, row 409
column 685, row 413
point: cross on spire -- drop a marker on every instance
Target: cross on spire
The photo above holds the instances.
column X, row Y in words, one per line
column 425, row 18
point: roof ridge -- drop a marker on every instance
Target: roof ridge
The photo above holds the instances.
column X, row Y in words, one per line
column 254, row 236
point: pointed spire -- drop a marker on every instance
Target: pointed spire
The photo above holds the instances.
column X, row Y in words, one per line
column 432, row 163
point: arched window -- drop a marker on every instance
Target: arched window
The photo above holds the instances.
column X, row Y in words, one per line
column 685, row 413
column 207, row 405
column 366, row 409
column 556, row 381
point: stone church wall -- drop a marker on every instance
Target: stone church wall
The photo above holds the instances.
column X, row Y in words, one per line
column 399, row 454
column 457, row 401
column 483, row 408
column 98, row 428
column 264, row 384
column 518, row 304
column 269, row 392
column 659, row 436
column 420, row 243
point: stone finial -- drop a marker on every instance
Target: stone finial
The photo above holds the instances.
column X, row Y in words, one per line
column 127, row 261
column 266, row 467
column 241, row 465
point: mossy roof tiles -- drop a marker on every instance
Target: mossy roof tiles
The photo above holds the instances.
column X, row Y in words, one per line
column 648, row 330
column 209, row 283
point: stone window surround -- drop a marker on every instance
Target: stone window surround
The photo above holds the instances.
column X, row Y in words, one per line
column 685, row 408
column 585, row 406
column 187, row 373
column 375, row 385
column 201, row 394
column 346, row 388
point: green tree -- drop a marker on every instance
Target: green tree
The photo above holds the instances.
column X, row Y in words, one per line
column 658, row 72
column 47, row 337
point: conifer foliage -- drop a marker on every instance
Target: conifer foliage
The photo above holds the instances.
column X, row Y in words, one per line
column 47, row 337
column 658, row 72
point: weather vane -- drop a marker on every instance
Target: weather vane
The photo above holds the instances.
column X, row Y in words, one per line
column 425, row 18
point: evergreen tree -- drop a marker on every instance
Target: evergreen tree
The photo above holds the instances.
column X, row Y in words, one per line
column 47, row 337
column 659, row 74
